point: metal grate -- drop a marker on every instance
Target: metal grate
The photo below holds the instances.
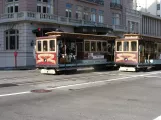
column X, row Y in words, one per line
column 41, row 91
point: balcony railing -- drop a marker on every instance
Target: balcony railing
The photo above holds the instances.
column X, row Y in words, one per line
column 50, row 18
column 133, row 12
column 97, row 2
column 119, row 28
column 115, row 5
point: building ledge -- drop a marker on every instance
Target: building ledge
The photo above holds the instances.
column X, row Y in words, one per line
column 46, row 18
column 120, row 28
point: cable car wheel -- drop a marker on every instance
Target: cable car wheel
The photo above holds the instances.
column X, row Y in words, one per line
column 99, row 68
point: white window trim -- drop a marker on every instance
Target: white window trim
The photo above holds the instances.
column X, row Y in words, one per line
column 68, row 11
column 11, row 4
column 49, row 7
column 16, row 40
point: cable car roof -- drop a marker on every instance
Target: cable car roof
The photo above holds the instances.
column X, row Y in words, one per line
column 140, row 37
column 82, row 36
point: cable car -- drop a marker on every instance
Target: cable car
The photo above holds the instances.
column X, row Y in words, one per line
column 136, row 52
column 61, row 51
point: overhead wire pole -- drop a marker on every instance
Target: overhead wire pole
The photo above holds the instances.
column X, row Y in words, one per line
column 57, row 9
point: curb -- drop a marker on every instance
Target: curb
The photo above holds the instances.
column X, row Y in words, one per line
column 18, row 68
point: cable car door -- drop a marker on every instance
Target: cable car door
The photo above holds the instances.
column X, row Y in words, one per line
column 142, row 52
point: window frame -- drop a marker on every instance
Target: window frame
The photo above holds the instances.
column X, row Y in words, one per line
column 49, row 7
column 131, row 46
column 101, row 16
column 158, row 6
column 116, row 18
column 54, row 45
column 48, row 44
column 10, row 7
column 96, row 49
column 128, row 46
column 68, row 10
column 122, row 45
column 7, row 39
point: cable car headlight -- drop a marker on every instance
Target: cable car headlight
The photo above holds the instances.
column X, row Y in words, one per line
column 125, row 59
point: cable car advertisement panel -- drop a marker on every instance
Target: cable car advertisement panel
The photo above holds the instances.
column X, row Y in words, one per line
column 127, row 58
column 46, row 59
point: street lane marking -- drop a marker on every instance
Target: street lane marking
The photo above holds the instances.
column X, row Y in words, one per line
column 13, row 94
column 158, row 118
column 104, row 81
column 153, row 77
column 79, row 84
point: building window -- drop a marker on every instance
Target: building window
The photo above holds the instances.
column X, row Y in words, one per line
column 116, row 19
column 158, row 6
column 93, row 15
column 12, row 6
column 39, row 9
column 101, row 16
column 79, row 10
column 45, row 0
column 12, row 39
column 68, row 11
column 44, row 9
column 133, row 27
column 16, row 8
column 116, row 1
column 45, row 6
column 78, row 15
column 86, row 13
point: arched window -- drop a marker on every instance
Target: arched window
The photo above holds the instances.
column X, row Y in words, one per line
column 12, row 6
column 12, row 39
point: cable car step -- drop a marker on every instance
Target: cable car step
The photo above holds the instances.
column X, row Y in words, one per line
column 132, row 69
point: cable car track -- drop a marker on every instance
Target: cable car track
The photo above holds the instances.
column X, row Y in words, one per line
column 60, row 79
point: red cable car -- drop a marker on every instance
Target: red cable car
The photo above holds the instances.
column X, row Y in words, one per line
column 61, row 51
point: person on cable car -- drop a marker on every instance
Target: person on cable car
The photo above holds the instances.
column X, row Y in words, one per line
column 45, row 48
column 52, row 49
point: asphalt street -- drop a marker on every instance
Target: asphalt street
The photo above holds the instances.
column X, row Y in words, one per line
column 105, row 95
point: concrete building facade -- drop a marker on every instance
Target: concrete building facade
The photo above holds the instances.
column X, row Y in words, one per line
column 148, row 6
column 19, row 17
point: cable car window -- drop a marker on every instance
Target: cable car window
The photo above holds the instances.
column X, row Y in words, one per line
column 87, row 46
column 99, row 47
column 104, row 45
column 126, row 46
column 134, row 46
column 93, row 46
column 45, row 46
column 39, row 46
column 79, row 47
column 119, row 46
column 159, row 47
column 52, row 45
